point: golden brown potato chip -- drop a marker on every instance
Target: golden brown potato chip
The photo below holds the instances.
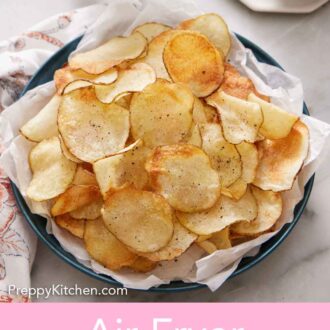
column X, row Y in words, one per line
column 76, row 84
column 89, row 211
column 281, row 160
column 269, row 210
column 184, row 176
column 207, row 246
column 211, row 114
column 225, row 212
column 260, row 137
column 236, row 190
column 202, row 238
column 236, row 239
column 84, row 177
column 221, row 239
column 112, row 53
column 180, row 242
column 162, row 113
column 66, row 152
column 151, row 30
column 277, row 123
column 74, row 198
column 190, row 58
column 105, row 248
column 236, row 85
column 134, row 79
column 75, row 226
column 124, row 100
column 143, row 265
column 194, row 137
column 240, row 119
column 118, row 171
column 140, row 219
column 90, row 129
column 223, row 155
column 52, row 172
column 155, row 53
column 66, row 75
column 44, row 124
column 204, row 113
column 87, row 166
column 105, row 78
column 249, row 157
column 198, row 113
column 213, row 27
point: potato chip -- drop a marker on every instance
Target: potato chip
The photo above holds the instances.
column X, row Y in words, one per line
column 202, row 238
column 124, row 100
column 74, row 198
column 151, row 30
column 90, row 211
column 87, row 166
column 236, row 190
column 249, row 157
column 207, row 246
column 142, row 265
column 281, row 160
column 204, row 113
column 105, row 248
column 106, row 78
column 260, row 137
column 236, row 85
column 52, row 173
column 76, row 84
column 90, row 129
column 133, row 79
column 236, row 239
column 194, row 137
column 211, row 114
column 225, row 212
column 213, row 27
column 66, row 152
column 84, row 177
column 223, row 155
column 162, row 113
column 240, row 119
column 269, row 210
column 126, row 64
column 66, row 75
column 112, row 53
column 221, row 239
column 75, row 226
column 154, row 56
column 180, row 242
column 140, row 219
column 118, row 171
column 277, row 123
column 44, row 124
column 184, row 176
column 199, row 115
column 191, row 59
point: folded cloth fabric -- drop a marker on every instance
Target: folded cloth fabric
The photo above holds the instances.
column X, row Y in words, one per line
column 20, row 58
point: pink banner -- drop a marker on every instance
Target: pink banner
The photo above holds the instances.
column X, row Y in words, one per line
column 199, row 316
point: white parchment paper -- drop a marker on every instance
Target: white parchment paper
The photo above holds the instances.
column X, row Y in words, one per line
column 119, row 18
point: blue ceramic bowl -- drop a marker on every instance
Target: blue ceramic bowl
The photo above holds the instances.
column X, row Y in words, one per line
column 38, row 224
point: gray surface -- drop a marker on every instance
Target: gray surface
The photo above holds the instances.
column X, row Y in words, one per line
column 299, row 270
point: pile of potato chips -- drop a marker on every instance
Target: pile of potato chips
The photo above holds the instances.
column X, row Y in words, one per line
column 154, row 142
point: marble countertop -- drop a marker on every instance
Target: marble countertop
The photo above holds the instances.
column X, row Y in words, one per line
column 299, row 270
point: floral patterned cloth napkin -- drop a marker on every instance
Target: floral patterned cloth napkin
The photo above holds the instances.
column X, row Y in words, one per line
column 20, row 58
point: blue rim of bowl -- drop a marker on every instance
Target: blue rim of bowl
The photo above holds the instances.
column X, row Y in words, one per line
column 55, row 62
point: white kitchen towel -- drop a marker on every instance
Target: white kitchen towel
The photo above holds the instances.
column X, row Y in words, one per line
column 20, row 58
